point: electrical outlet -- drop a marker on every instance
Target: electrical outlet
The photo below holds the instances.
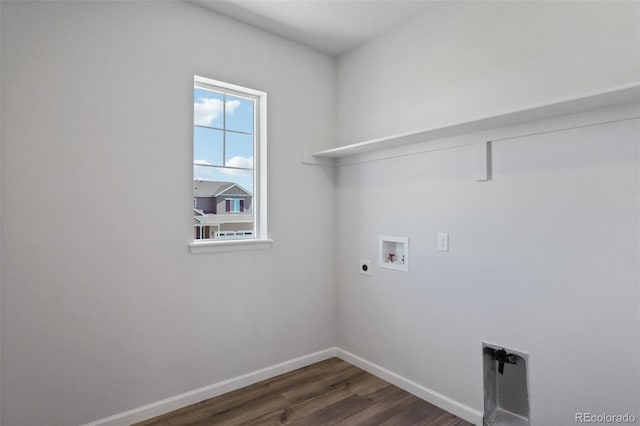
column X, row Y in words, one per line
column 443, row 242
column 365, row 267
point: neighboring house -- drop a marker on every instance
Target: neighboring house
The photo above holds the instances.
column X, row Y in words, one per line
column 221, row 210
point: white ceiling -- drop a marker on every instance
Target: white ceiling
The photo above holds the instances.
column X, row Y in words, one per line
column 331, row 26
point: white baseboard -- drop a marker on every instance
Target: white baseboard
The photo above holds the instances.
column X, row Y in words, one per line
column 463, row 411
column 173, row 403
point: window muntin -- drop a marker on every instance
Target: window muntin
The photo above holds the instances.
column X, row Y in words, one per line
column 227, row 147
column 219, row 149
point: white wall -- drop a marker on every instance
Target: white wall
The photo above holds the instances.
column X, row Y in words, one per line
column 462, row 60
column 103, row 308
column 544, row 257
column 0, row 217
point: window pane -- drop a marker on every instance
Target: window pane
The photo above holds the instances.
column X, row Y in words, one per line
column 239, row 150
column 225, row 148
column 239, row 114
column 204, row 173
column 207, row 108
column 207, row 146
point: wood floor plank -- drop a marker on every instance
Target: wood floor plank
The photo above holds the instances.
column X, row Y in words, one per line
column 242, row 414
column 368, row 385
column 383, row 404
column 332, row 414
column 315, row 404
column 419, row 413
column 218, row 407
column 271, row 419
column 330, row 392
column 445, row 419
column 310, row 389
column 350, row 374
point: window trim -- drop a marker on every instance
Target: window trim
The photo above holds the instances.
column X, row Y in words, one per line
column 223, row 246
column 259, row 204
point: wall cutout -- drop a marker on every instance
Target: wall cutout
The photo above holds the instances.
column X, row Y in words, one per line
column 393, row 253
column 506, row 386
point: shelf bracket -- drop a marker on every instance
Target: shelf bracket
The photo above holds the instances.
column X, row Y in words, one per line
column 483, row 160
column 317, row 161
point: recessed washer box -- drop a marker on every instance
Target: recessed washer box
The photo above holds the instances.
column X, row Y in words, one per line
column 393, row 253
column 506, row 386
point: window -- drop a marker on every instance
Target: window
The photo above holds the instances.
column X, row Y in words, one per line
column 235, row 205
column 229, row 162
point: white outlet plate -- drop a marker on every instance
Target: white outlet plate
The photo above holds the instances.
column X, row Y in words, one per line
column 443, row 241
column 365, row 267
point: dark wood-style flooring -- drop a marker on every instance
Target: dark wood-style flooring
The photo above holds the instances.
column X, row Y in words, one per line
column 331, row 392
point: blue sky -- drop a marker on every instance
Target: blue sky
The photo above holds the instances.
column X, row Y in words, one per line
column 227, row 139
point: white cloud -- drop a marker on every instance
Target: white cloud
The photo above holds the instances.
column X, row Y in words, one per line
column 238, row 161
column 232, row 105
column 242, row 177
column 206, row 110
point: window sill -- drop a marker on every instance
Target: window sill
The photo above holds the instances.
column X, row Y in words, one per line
column 229, row 246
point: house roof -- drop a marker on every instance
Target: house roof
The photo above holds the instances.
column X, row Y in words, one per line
column 209, row 188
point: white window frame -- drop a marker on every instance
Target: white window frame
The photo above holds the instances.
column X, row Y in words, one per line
column 259, row 202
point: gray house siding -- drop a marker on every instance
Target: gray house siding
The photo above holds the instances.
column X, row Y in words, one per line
column 219, row 204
